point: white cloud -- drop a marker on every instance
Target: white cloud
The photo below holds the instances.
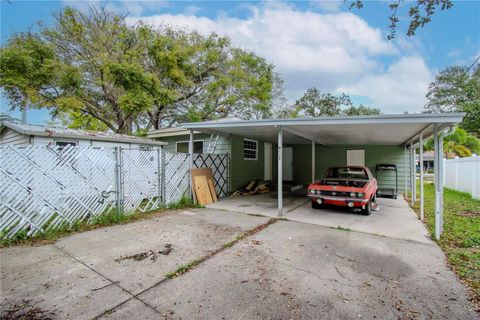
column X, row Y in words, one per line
column 401, row 88
column 326, row 50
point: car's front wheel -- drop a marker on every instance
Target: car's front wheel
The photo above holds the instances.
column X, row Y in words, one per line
column 316, row 205
column 368, row 209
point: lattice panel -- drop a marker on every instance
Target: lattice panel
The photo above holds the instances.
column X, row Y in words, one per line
column 44, row 187
column 219, row 165
column 141, row 179
column 177, row 179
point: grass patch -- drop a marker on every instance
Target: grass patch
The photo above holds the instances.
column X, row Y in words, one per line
column 461, row 236
column 107, row 219
column 184, row 268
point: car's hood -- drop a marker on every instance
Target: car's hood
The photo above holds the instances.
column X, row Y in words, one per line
column 342, row 183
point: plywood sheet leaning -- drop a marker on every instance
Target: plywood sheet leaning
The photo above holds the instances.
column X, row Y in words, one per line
column 204, row 186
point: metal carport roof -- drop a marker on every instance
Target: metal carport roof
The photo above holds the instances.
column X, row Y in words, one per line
column 396, row 129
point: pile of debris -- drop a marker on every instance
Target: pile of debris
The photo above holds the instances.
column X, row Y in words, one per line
column 254, row 187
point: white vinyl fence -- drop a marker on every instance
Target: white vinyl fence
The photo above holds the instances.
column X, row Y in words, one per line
column 43, row 187
column 463, row 174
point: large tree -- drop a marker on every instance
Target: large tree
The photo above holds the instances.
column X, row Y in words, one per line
column 314, row 103
column 94, row 71
column 457, row 89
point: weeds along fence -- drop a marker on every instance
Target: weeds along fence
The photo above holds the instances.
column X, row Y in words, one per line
column 463, row 174
column 44, row 187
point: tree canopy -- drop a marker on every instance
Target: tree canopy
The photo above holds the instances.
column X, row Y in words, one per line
column 314, row 103
column 457, row 89
column 420, row 13
column 94, row 71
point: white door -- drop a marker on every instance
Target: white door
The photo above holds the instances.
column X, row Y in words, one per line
column 268, row 161
column 287, row 164
column 356, row 157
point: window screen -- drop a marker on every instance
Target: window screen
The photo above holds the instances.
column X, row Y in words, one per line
column 182, row 147
column 250, row 148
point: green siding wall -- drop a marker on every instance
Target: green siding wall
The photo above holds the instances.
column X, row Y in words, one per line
column 242, row 171
column 330, row 156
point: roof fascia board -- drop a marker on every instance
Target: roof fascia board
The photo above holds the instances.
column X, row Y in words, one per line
column 183, row 132
column 450, row 118
column 212, row 131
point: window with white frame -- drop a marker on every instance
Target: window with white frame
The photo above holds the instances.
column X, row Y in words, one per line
column 182, row 146
column 250, row 149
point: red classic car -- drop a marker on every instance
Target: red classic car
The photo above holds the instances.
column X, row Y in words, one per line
column 351, row 186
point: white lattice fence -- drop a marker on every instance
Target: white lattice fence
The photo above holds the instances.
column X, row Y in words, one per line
column 44, row 187
column 141, row 179
column 177, row 179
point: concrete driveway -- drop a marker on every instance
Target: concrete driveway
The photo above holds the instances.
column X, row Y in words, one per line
column 394, row 219
column 289, row 270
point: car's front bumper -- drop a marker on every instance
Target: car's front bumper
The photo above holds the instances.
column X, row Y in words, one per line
column 339, row 201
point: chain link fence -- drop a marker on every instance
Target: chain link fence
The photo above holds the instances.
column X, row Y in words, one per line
column 44, row 187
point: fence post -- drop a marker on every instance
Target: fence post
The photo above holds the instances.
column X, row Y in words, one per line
column 164, row 175
column 159, row 176
column 118, row 180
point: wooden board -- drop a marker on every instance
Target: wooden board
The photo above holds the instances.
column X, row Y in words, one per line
column 204, row 185
column 250, row 185
column 213, row 192
column 202, row 190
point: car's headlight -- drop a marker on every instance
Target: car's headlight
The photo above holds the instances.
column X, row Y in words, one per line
column 312, row 191
column 352, row 194
column 360, row 194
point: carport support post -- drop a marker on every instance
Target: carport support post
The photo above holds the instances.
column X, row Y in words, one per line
column 406, row 172
column 190, row 151
column 413, row 173
column 437, row 168
column 313, row 160
column 420, row 164
column 280, row 172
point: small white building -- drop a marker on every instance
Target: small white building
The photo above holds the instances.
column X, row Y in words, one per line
column 15, row 132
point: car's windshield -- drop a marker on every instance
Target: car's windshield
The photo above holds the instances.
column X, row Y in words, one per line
column 346, row 173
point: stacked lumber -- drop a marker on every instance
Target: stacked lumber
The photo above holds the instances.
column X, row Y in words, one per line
column 253, row 187
column 204, row 186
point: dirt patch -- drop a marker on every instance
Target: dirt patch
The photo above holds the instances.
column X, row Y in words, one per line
column 153, row 255
column 470, row 214
column 26, row 310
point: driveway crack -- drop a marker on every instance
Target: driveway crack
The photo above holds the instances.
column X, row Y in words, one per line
column 112, row 282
